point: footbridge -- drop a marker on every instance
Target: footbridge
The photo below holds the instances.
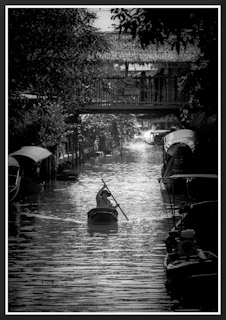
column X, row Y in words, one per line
column 150, row 95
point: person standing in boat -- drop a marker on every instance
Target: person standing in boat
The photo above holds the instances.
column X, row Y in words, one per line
column 102, row 199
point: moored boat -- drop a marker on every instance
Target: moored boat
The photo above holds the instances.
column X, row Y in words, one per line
column 190, row 270
column 194, row 278
column 67, row 174
column 155, row 137
column 197, row 209
column 178, row 151
column 190, row 264
column 29, row 159
column 191, row 261
column 32, row 152
column 14, row 178
column 102, row 215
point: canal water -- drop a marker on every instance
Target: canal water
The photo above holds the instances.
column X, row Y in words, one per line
column 57, row 263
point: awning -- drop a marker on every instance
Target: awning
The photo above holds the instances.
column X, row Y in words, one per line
column 183, row 136
column 35, row 153
column 12, row 162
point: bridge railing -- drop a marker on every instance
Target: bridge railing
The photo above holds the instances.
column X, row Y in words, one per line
column 137, row 90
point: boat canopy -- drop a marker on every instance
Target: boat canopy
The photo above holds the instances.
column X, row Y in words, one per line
column 12, row 162
column 184, row 136
column 35, row 153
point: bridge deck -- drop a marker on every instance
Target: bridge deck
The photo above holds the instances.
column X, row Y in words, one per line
column 136, row 95
column 130, row 107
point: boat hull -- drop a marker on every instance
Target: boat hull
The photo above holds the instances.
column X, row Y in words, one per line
column 102, row 215
column 14, row 190
column 178, row 151
column 182, row 271
column 14, row 179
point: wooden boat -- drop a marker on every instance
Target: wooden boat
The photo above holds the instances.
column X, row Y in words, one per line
column 32, row 152
column 178, row 151
column 28, row 157
column 102, row 215
column 187, row 263
column 197, row 210
column 99, row 154
column 192, row 243
column 14, row 178
column 199, row 266
column 67, row 174
column 193, row 278
column 190, row 271
column 202, row 217
column 195, row 187
column 107, row 152
column 155, row 137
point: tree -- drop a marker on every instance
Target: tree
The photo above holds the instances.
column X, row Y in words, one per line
column 50, row 49
column 108, row 128
column 44, row 123
column 52, row 54
column 180, row 28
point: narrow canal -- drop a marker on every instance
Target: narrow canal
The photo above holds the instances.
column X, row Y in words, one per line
column 57, row 263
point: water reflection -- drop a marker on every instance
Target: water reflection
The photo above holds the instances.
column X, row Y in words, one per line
column 102, row 228
column 60, row 263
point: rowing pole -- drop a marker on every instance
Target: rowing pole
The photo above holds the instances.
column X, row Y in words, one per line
column 115, row 199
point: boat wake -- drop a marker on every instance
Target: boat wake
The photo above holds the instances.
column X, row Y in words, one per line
column 50, row 217
column 142, row 220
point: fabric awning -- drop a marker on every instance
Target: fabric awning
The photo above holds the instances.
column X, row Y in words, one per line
column 183, row 136
column 12, row 162
column 35, row 153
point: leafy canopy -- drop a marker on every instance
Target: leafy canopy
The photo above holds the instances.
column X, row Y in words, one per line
column 52, row 54
column 179, row 28
column 50, row 49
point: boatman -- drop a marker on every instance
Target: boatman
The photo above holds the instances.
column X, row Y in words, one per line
column 102, row 199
